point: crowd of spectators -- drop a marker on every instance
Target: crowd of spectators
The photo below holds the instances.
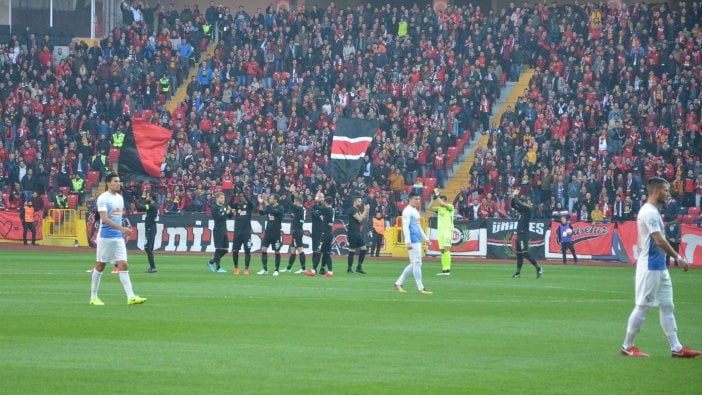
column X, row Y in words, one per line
column 614, row 99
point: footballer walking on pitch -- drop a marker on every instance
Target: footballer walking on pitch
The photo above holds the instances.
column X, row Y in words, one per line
column 653, row 286
column 110, row 242
column 444, row 228
column 242, row 208
column 220, row 213
column 413, row 235
column 522, row 247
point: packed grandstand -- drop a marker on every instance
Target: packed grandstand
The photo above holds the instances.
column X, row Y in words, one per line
column 614, row 99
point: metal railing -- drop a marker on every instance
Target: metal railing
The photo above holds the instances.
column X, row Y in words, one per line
column 61, row 223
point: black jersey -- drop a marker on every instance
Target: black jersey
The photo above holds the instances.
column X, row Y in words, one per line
column 354, row 224
column 242, row 215
column 297, row 217
column 326, row 217
column 525, row 216
column 219, row 214
column 317, row 221
column 151, row 210
column 274, row 218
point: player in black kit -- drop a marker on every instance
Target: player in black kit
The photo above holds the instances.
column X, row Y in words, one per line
column 151, row 209
column 297, row 220
column 522, row 245
column 242, row 208
column 317, row 228
column 324, row 213
column 220, row 213
column 356, row 240
column 274, row 222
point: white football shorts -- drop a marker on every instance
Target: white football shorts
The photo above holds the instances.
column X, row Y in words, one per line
column 653, row 288
column 111, row 250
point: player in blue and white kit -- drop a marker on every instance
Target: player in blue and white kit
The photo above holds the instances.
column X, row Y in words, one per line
column 413, row 235
column 653, row 284
column 110, row 242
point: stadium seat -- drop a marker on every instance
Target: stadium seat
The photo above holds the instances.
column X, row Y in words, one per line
column 65, row 190
column 93, row 176
column 401, row 206
column 694, row 211
column 113, row 156
column 73, row 201
column 429, row 183
column 503, row 79
column 573, row 217
column 688, row 219
column 6, row 199
column 45, row 199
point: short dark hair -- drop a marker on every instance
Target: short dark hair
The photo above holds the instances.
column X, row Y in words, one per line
column 413, row 195
column 110, row 176
column 655, row 183
column 443, row 197
column 329, row 200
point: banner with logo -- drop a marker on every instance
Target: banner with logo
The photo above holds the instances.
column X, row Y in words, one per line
column 588, row 239
column 499, row 238
column 469, row 238
column 193, row 233
column 11, row 226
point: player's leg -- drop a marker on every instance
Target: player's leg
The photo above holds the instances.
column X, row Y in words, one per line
column 361, row 257
column 645, row 290
column 325, row 249
column 97, row 273
column 352, row 252
column 149, row 248
column 416, row 260
column 303, row 263
column 264, row 258
column 236, row 247
column 667, row 318
column 276, row 247
column 247, row 252
column 120, row 256
column 571, row 246
column 564, row 249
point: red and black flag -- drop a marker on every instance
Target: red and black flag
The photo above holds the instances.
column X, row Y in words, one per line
column 143, row 152
column 352, row 138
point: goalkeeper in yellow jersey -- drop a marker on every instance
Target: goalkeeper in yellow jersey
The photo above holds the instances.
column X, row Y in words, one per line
column 444, row 227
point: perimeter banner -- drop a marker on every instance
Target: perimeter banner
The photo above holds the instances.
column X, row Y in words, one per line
column 11, row 226
column 469, row 238
column 588, row 239
column 193, row 233
column 499, row 238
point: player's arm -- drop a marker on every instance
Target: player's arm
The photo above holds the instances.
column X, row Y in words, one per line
column 665, row 246
column 406, row 219
column 107, row 221
column 359, row 216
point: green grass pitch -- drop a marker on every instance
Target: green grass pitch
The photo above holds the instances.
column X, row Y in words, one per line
column 201, row 333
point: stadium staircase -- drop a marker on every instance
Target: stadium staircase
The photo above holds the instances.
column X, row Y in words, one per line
column 459, row 175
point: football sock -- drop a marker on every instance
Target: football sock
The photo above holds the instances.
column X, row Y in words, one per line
column 636, row 320
column 669, row 326
column 95, row 284
column 126, row 283
column 417, row 273
column 235, row 258
column 531, row 260
column 361, row 258
column 446, row 260
column 150, row 256
column 302, row 260
column 247, row 259
column 264, row 260
column 277, row 261
column 405, row 273
column 291, row 261
column 316, row 256
column 350, row 260
column 326, row 258
column 520, row 262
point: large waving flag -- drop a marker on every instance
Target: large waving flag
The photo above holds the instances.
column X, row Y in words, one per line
column 352, row 138
column 143, row 151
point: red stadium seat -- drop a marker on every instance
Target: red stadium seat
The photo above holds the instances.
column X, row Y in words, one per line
column 573, row 217
column 65, row 190
column 113, row 156
column 688, row 219
column 401, row 206
column 73, row 201
column 93, row 176
column 6, row 200
column 503, row 79
column 694, row 211
column 45, row 199
column 429, row 183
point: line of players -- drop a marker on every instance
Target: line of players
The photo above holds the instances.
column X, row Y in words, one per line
column 241, row 208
